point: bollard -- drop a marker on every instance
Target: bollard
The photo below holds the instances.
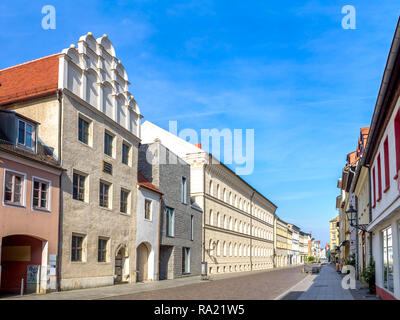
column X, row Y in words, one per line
column 22, row 286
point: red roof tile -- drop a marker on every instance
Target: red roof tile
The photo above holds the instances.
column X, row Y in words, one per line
column 29, row 79
column 143, row 182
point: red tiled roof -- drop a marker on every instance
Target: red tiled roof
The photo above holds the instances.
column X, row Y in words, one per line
column 143, row 182
column 364, row 130
column 28, row 80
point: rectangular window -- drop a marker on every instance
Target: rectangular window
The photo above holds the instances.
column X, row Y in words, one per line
column 397, row 142
column 78, row 187
column 125, row 153
column 83, row 133
column 13, row 188
column 185, row 260
column 184, row 190
column 170, row 218
column 373, row 187
column 104, row 195
column 388, row 259
column 26, row 134
column 76, row 248
column 108, row 144
column 191, row 227
column 124, row 201
column 147, row 209
column 102, row 250
column 40, row 194
column 379, row 179
column 387, row 171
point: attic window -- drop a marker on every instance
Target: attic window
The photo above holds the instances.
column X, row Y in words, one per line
column 26, row 134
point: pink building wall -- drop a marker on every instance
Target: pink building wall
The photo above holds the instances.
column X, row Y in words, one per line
column 25, row 221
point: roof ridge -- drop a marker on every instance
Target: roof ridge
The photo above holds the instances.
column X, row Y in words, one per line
column 31, row 61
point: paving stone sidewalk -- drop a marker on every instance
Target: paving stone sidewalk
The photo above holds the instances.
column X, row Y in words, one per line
column 327, row 285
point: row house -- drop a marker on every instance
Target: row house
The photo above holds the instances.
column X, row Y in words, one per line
column 91, row 125
column 295, row 259
column 29, row 211
column 333, row 238
column 180, row 217
column 370, row 187
column 282, row 249
column 382, row 159
column 237, row 221
column 303, row 246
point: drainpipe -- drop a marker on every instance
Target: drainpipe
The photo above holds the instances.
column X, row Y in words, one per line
column 60, row 209
column 370, row 214
column 251, row 231
column 159, row 236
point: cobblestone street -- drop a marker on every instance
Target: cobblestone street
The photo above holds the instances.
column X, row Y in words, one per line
column 259, row 286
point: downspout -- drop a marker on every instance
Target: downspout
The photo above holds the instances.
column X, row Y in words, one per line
column 370, row 214
column 159, row 236
column 60, row 209
column 251, row 231
column 204, row 208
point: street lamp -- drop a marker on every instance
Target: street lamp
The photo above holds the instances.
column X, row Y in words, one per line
column 204, row 264
column 353, row 216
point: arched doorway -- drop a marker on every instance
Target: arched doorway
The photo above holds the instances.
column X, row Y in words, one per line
column 121, row 265
column 21, row 258
column 142, row 262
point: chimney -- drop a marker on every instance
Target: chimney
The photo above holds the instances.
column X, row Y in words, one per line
column 198, row 145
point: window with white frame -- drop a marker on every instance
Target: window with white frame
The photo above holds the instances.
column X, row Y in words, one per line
column 14, row 183
column 192, row 227
column 184, row 190
column 170, row 215
column 41, row 194
column 388, row 259
column 185, row 260
column 26, row 134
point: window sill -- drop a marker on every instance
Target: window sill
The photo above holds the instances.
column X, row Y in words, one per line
column 78, row 262
column 15, row 205
column 81, row 201
column 106, row 208
column 41, row 210
column 109, row 157
column 148, row 220
column 85, row 144
column 124, row 214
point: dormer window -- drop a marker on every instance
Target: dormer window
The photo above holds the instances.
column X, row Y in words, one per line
column 26, row 134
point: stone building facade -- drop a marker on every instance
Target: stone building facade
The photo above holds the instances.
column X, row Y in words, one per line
column 93, row 126
column 180, row 233
column 282, row 245
column 238, row 221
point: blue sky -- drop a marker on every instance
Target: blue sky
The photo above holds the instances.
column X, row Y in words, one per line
column 286, row 69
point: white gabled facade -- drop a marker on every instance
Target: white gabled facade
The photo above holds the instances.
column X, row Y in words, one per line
column 92, row 72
